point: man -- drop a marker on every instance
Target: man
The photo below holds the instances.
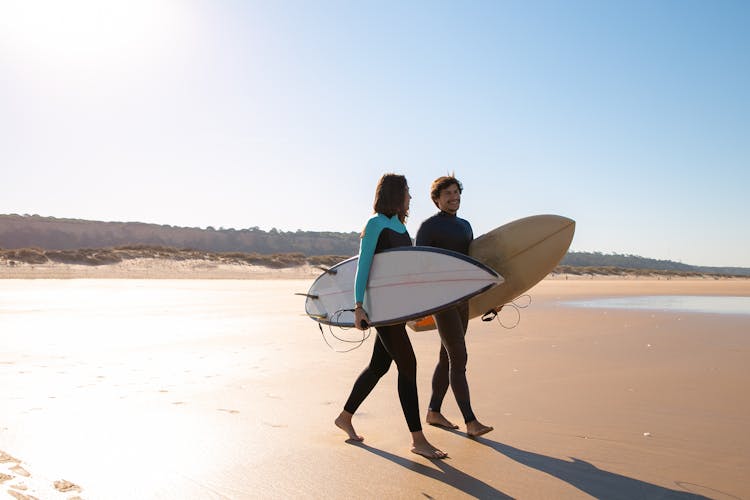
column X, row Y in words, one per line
column 446, row 230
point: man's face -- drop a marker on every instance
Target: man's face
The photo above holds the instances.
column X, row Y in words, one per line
column 449, row 199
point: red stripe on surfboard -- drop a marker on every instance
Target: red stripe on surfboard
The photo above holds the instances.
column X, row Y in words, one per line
column 410, row 283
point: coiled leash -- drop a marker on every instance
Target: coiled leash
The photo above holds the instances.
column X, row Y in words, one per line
column 334, row 320
column 516, row 304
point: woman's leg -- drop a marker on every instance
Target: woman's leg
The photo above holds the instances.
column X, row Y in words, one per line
column 380, row 361
column 398, row 345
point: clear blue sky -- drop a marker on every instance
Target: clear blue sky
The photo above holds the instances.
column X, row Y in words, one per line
column 631, row 117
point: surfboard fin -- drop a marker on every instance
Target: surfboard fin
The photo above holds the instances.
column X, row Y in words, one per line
column 328, row 270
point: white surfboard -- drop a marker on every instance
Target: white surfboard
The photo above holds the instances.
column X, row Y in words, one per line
column 523, row 251
column 405, row 283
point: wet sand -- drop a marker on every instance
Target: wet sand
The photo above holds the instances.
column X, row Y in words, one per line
column 129, row 388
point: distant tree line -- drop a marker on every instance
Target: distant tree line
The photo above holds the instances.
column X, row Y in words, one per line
column 35, row 239
column 104, row 256
column 640, row 265
column 50, row 233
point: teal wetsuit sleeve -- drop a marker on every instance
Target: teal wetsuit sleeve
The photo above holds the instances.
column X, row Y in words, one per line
column 366, row 252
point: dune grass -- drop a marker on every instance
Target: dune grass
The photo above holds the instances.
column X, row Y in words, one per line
column 104, row 256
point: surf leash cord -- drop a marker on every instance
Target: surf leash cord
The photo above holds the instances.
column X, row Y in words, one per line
column 334, row 322
column 516, row 304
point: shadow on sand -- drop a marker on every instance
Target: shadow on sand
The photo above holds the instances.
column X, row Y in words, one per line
column 447, row 474
column 588, row 478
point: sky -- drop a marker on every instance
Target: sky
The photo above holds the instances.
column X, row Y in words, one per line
column 630, row 117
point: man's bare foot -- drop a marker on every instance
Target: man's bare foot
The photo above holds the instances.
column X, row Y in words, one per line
column 437, row 419
column 429, row 452
column 422, row 447
column 344, row 422
column 475, row 428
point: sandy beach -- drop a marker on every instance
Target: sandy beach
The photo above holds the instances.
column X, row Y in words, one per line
column 223, row 388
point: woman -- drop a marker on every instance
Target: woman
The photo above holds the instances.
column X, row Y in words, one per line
column 385, row 230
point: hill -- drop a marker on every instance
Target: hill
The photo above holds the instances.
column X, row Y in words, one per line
column 36, row 239
column 599, row 263
column 50, row 233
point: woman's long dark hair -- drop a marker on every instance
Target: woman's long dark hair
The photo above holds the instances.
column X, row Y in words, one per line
column 390, row 194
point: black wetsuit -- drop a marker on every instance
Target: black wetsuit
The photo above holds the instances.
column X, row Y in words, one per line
column 392, row 344
column 444, row 230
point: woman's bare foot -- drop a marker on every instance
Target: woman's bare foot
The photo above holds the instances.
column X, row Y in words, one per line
column 344, row 422
column 422, row 447
column 437, row 419
column 475, row 428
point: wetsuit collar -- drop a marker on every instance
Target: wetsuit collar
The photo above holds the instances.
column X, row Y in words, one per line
column 446, row 214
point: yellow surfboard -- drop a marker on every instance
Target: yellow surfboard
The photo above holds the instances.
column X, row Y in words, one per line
column 523, row 252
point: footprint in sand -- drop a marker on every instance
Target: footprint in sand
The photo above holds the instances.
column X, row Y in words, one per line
column 275, row 426
column 5, row 458
column 228, row 411
column 20, row 471
column 22, row 485
column 66, row 486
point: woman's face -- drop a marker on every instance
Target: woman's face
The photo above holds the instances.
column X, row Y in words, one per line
column 407, row 200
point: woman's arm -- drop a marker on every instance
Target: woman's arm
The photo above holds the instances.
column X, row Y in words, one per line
column 366, row 252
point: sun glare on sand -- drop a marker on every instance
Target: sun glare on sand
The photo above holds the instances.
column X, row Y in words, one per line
column 78, row 30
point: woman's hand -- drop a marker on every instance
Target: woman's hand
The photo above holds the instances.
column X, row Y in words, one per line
column 359, row 316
